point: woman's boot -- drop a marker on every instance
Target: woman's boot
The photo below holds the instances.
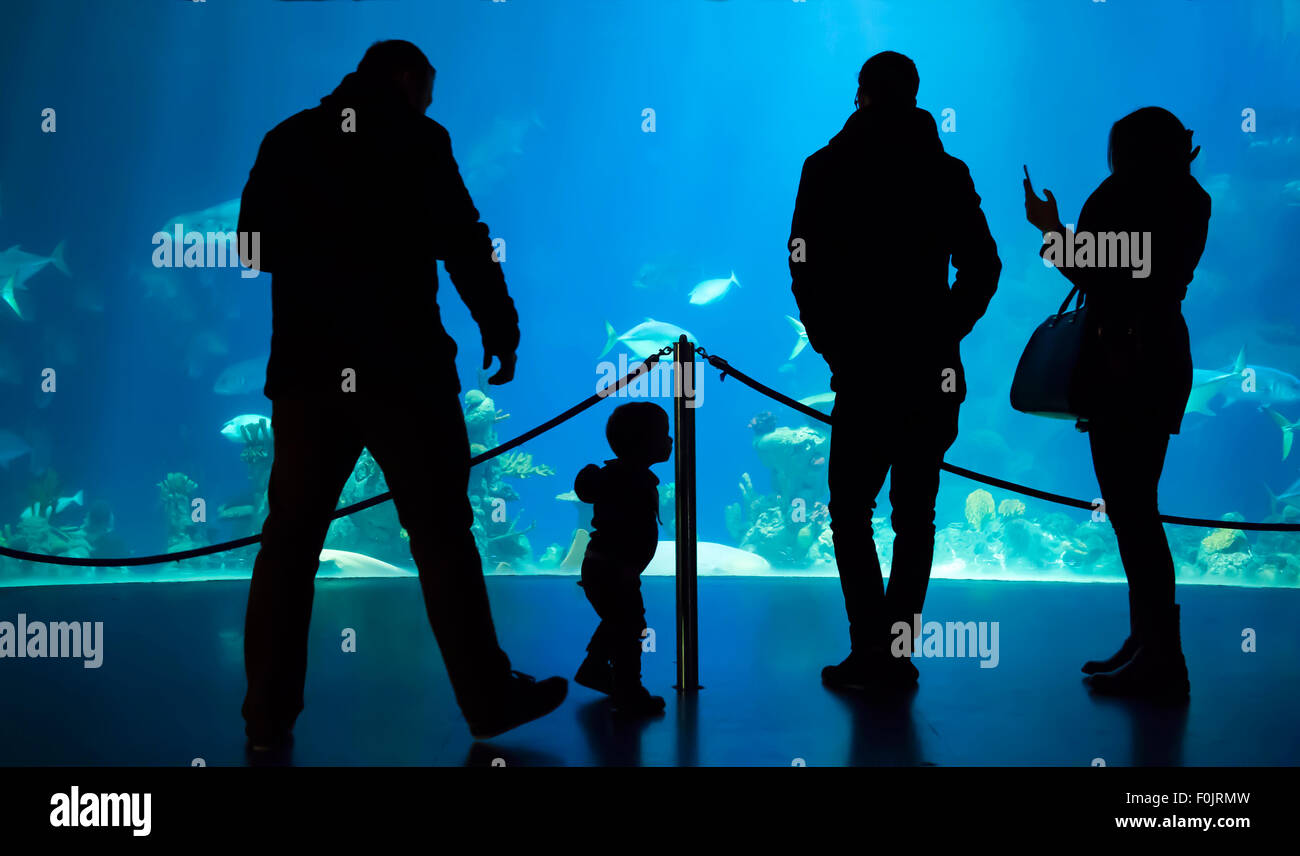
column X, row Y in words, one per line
column 1125, row 652
column 1157, row 670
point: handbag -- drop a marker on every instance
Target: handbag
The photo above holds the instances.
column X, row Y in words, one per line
column 1050, row 379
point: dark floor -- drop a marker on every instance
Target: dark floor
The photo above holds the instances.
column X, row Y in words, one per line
column 172, row 680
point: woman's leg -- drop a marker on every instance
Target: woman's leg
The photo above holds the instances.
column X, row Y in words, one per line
column 1128, row 462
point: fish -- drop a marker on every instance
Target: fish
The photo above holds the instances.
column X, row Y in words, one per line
column 801, row 336
column 351, row 565
column 712, row 290
column 222, row 217
column 201, row 349
column 1272, row 386
column 7, row 293
column 60, row 505
column 1291, row 193
column 1290, row 496
column 233, row 430
column 710, row 558
column 816, row 401
column 12, row 447
column 646, row 338
column 659, row 275
column 22, row 266
column 1288, row 429
column 78, row 498
column 489, row 159
column 243, row 378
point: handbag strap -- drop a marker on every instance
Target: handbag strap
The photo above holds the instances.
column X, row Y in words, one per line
column 1078, row 303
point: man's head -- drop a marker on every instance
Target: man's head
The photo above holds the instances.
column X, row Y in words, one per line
column 888, row 79
column 403, row 65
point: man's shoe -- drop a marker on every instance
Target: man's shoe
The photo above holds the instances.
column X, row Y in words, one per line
column 595, row 675
column 524, row 699
column 269, row 750
column 873, row 670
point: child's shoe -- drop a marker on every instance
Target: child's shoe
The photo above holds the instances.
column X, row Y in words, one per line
column 638, row 702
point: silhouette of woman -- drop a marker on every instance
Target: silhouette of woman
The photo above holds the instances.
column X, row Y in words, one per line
column 1143, row 231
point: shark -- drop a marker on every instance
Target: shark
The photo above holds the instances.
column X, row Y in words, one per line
column 1271, row 386
column 801, row 336
column 222, row 217
column 711, row 559
column 1288, row 427
column 351, row 565
column 1290, row 496
column 244, row 377
column 7, row 293
column 11, row 447
column 490, row 158
column 22, row 265
column 17, row 266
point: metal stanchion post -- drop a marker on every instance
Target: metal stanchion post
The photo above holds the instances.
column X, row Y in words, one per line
column 688, row 666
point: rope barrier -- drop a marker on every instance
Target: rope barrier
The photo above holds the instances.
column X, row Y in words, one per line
column 726, row 369
column 378, row 499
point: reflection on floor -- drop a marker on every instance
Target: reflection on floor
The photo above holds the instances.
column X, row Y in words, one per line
column 171, row 681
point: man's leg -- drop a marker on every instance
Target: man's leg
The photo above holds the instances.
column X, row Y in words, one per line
column 856, row 471
column 914, row 485
column 423, row 449
column 315, row 451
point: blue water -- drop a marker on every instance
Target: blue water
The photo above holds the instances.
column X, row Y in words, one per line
column 160, row 108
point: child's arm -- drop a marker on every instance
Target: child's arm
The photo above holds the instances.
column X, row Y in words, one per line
column 587, row 484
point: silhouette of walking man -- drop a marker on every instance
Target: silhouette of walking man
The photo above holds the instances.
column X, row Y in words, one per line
column 880, row 212
column 355, row 200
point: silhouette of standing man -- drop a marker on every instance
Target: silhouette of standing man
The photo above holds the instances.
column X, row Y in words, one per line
column 355, row 201
column 881, row 210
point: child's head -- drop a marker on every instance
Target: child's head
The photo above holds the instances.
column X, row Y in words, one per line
column 638, row 432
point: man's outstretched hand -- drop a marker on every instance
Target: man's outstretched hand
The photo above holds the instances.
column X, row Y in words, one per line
column 507, row 371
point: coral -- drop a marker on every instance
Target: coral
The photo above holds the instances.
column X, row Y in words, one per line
column 498, row 539
column 1011, row 508
column 481, row 416
column 375, row 531
column 796, row 459
column 43, row 491
column 668, row 511
column 788, row 536
column 176, row 492
column 763, row 423
column 1225, row 541
column 520, row 465
column 552, row 557
column 979, row 507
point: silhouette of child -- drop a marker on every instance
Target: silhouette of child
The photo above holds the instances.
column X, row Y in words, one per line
column 625, row 525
